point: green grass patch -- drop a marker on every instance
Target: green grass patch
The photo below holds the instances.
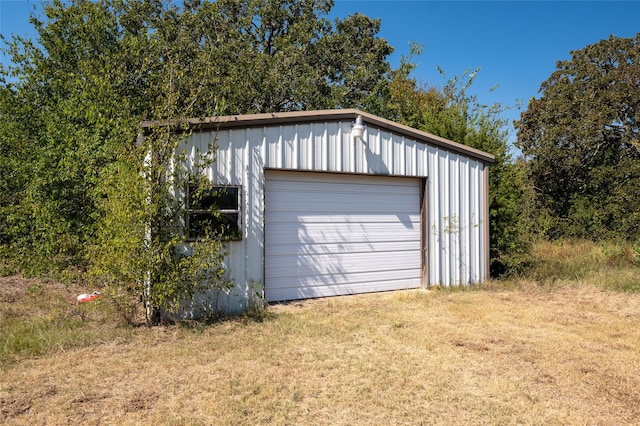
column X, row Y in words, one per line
column 613, row 266
column 41, row 317
column 29, row 337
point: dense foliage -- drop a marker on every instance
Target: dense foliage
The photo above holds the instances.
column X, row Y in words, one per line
column 581, row 143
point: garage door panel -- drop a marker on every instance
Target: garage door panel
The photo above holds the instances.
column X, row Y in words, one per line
column 336, row 184
column 343, row 264
column 306, row 292
column 346, row 203
column 316, row 189
column 401, row 279
column 341, row 247
column 337, row 233
column 340, row 234
column 291, row 217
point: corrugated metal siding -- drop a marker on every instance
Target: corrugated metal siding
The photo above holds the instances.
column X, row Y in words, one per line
column 454, row 187
column 456, row 217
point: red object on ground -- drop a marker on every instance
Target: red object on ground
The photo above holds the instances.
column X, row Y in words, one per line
column 83, row 298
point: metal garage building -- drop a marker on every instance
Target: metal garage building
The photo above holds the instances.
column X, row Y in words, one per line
column 324, row 211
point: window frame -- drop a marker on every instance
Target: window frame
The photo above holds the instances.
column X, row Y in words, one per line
column 236, row 233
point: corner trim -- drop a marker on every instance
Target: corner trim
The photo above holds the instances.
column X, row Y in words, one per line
column 487, row 220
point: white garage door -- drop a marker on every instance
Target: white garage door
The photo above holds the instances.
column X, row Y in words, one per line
column 328, row 234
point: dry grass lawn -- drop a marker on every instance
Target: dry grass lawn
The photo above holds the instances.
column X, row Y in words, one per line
column 568, row 355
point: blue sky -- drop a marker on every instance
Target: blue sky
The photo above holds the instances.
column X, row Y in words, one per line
column 514, row 43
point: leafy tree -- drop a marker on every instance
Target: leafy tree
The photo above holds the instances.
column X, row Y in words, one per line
column 581, row 142
column 14, row 158
column 275, row 56
column 73, row 121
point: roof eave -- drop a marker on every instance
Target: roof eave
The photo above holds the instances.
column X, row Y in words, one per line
column 280, row 118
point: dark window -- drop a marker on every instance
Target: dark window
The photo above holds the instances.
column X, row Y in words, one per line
column 213, row 211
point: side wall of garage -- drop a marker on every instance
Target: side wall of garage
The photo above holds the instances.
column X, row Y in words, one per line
column 455, row 189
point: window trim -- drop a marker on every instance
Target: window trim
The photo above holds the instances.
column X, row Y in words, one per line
column 236, row 234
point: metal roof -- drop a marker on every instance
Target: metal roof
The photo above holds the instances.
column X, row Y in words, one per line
column 281, row 118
